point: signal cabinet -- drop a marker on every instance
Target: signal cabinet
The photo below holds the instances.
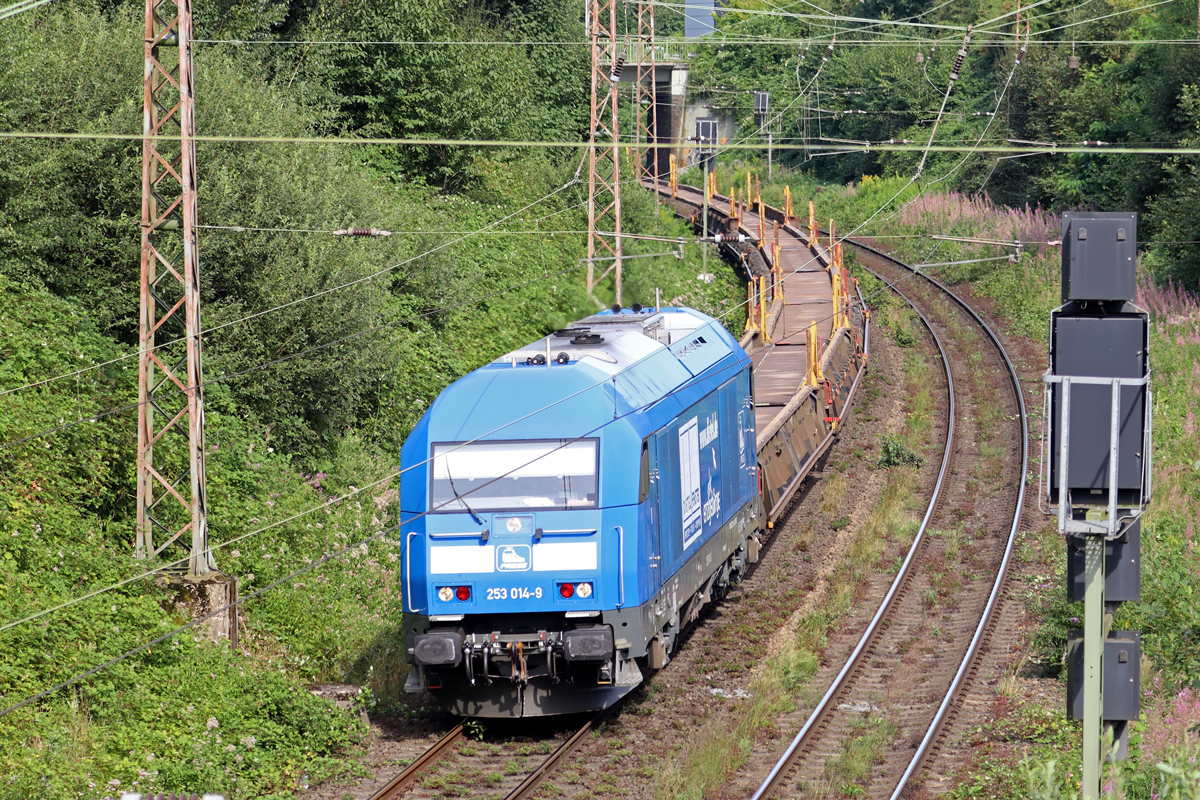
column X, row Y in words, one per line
column 1109, row 346
column 1122, row 675
column 1122, row 567
column 1099, row 256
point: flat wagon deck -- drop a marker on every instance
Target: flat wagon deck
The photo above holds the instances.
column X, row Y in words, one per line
column 807, row 333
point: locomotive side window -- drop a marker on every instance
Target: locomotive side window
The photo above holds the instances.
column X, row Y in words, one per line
column 644, row 485
column 502, row 476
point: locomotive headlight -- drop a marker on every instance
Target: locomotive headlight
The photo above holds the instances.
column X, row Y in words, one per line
column 445, row 594
column 584, row 590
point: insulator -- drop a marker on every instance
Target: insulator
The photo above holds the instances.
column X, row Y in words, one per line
column 362, row 232
column 958, row 62
column 1093, row 143
column 618, row 65
column 828, row 53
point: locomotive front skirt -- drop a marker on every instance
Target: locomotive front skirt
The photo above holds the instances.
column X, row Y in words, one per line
column 571, row 506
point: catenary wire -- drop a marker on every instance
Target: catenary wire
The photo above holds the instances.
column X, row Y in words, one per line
column 18, row 8
column 1057, row 149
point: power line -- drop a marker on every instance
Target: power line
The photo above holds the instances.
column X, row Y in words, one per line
column 503, row 232
column 827, row 18
column 1088, row 148
column 384, row 42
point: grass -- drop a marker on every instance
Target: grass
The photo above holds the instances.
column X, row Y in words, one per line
column 833, row 489
column 847, row 773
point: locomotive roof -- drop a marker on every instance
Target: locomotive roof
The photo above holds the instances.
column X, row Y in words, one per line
column 604, row 366
column 602, row 337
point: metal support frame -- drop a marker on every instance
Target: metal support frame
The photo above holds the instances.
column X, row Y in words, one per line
column 1095, row 534
column 604, row 186
column 1110, row 528
column 170, row 453
column 645, row 103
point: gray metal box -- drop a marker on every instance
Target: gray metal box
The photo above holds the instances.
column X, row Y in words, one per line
column 1112, row 346
column 1099, row 256
column 1122, row 567
column 1122, row 675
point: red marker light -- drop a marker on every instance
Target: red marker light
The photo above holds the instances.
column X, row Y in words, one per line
column 463, row 593
column 566, row 590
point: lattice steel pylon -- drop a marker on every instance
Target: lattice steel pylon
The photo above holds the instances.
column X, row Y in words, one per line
column 604, row 157
column 645, row 108
column 170, row 455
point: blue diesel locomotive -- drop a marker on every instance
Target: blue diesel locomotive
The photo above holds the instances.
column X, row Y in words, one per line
column 571, row 506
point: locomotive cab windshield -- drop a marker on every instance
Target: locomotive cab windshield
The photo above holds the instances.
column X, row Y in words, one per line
column 514, row 475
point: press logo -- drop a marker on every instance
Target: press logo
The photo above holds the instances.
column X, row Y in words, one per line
column 712, row 506
column 512, row 558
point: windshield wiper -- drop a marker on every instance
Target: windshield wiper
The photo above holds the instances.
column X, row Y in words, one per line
column 458, row 497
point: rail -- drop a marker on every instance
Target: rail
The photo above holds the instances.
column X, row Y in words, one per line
column 781, row 766
column 960, row 676
column 399, row 785
column 933, row 731
column 739, row 221
column 402, row 783
column 529, row 786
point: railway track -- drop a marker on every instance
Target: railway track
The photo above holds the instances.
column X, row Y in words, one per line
column 978, row 500
column 910, row 665
column 511, row 768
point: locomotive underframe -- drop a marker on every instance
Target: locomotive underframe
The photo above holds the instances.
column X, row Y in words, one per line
column 523, row 668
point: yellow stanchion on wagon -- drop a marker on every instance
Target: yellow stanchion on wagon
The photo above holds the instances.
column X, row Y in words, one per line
column 751, row 312
column 813, row 376
column 762, row 308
